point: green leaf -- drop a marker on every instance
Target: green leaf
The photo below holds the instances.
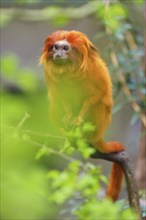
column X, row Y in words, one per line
column 81, row 143
column 43, row 151
column 88, row 185
column 74, row 166
column 9, row 65
column 53, row 174
column 87, row 153
column 117, row 108
column 88, row 127
column 94, row 209
column 66, row 145
column 78, row 132
column 84, row 148
column 70, row 150
column 103, row 179
column 112, row 15
column 117, row 11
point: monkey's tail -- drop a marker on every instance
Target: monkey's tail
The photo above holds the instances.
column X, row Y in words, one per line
column 115, row 182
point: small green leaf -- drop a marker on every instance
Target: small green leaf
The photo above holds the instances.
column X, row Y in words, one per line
column 88, row 127
column 112, row 15
column 70, row 150
column 41, row 152
column 117, row 108
column 77, row 132
column 66, row 145
column 87, row 153
column 53, row 174
column 103, row 179
column 74, row 166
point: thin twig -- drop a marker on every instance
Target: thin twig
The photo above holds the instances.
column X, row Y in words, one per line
column 37, row 133
column 55, row 152
column 20, row 124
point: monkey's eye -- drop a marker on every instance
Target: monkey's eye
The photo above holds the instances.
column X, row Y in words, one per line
column 56, row 47
column 66, row 47
column 50, row 48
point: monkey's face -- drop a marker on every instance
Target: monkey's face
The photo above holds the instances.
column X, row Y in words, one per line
column 61, row 52
column 67, row 50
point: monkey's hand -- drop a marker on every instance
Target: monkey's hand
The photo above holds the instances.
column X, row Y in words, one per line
column 67, row 118
column 77, row 121
column 67, row 115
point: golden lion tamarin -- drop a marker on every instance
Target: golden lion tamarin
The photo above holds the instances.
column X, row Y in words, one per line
column 80, row 90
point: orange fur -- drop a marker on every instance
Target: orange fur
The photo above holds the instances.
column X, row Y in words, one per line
column 80, row 91
column 114, row 187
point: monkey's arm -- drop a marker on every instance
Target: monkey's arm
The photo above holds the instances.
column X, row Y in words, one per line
column 96, row 96
column 87, row 105
column 68, row 114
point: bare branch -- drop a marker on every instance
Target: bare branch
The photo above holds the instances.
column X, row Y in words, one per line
column 122, row 158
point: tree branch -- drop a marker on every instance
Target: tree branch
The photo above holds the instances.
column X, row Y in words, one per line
column 122, row 158
column 45, row 14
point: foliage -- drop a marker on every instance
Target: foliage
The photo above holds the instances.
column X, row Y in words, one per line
column 90, row 209
column 79, row 183
column 124, row 55
column 23, row 183
column 121, row 35
column 24, row 77
column 76, row 186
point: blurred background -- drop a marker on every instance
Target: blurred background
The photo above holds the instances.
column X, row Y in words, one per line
column 117, row 29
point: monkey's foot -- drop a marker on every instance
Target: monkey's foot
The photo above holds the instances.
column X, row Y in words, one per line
column 109, row 147
column 114, row 147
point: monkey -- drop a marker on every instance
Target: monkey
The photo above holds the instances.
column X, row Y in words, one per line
column 80, row 90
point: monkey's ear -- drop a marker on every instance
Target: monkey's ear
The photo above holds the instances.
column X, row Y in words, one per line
column 92, row 47
column 42, row 58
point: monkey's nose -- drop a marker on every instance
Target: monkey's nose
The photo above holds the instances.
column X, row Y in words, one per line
column 58, row 55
